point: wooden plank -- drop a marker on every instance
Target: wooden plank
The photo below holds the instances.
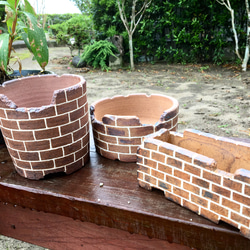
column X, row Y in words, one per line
column 60, row 232
column 120, row 203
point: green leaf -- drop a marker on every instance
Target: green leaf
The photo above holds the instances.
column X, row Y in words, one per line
column 4, row 42
column 32, row 18
column 36, row 42
column 35, row 39
column 12, row 3
column 28, row 8
column 4, row 2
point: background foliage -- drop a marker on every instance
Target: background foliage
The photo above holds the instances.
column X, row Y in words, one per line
column 79, row 26
column 185, row 31
column 181, row 31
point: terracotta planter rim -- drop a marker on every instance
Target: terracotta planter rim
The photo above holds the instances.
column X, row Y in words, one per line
column 11, row 103
column 174, row 106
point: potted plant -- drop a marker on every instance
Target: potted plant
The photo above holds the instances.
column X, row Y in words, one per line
column 21, row 22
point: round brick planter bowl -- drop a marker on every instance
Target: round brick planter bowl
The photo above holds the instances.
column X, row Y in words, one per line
column 120, row 123
column 44, row 121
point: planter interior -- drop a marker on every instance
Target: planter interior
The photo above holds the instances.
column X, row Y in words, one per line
column 207, row 174
column 44, row 121
column 119, row 123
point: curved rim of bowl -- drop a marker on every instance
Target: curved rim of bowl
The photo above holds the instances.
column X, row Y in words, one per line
column 172, row 108
column 11, row 104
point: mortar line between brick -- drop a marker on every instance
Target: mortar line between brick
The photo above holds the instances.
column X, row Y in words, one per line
column 65, row 93
column 98, row 132
column 11, row 131
column 25, row 174
column 209, row 203
column 5, row 112
column 116, row 121
column 243, row 187
column 117, row 144
column 31, row 166
column 25, row 148
column 33, row 131
column 193, row 157
column 39, row 155
column 107, row 150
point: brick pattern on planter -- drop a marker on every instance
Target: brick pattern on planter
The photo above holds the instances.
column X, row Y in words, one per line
column 49, row 139
column 118, row 137
column 196, row 181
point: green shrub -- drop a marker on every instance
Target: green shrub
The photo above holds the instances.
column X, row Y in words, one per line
column 177, row 31
column 97, row 54
column 79, row 27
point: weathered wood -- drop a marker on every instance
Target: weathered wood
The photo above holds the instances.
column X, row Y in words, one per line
column 59, row 232
column 120, row 203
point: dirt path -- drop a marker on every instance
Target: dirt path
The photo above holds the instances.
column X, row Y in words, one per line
column 212, row 99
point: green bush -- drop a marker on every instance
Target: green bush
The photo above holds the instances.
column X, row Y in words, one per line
column 178, row 31
column 97, row 54
column 53, row 19
column 78, row 27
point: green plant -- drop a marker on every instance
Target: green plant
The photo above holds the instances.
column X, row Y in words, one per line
column 22, row 22
column 98, row 54
column 79, row 28
column 202, row 68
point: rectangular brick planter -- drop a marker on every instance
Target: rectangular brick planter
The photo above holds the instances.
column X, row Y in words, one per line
column 207, row 174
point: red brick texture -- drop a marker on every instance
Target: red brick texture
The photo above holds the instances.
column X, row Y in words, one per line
column 48, row 139
column 117, row 137
column 194, row 180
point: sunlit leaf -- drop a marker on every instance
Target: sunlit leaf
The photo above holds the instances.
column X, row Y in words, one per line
column 35, row 41
column 28, row 8
column 31, row 18
column 12, row 3
column 4, row 42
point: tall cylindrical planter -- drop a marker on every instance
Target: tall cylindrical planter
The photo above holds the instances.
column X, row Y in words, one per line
column 44, row 121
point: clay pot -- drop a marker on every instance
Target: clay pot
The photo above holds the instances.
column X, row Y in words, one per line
column 207, row 174
column 119, row 123
column 17, row 74
column 44, row 121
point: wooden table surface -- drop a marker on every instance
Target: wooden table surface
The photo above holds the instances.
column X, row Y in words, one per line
column 120, row 204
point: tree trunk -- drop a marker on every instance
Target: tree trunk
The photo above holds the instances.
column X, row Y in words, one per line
column 246, row 57
column 131, row 53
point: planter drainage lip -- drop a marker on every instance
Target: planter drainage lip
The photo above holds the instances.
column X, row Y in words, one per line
column 119, row 123
column 45, row 123
column 202, row 172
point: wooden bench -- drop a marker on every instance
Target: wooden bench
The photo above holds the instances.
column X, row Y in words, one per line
column 102, row 205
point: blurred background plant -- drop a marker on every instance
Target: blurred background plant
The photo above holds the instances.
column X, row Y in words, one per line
column 21, row 22
column 75, row 32
column 98, row 53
